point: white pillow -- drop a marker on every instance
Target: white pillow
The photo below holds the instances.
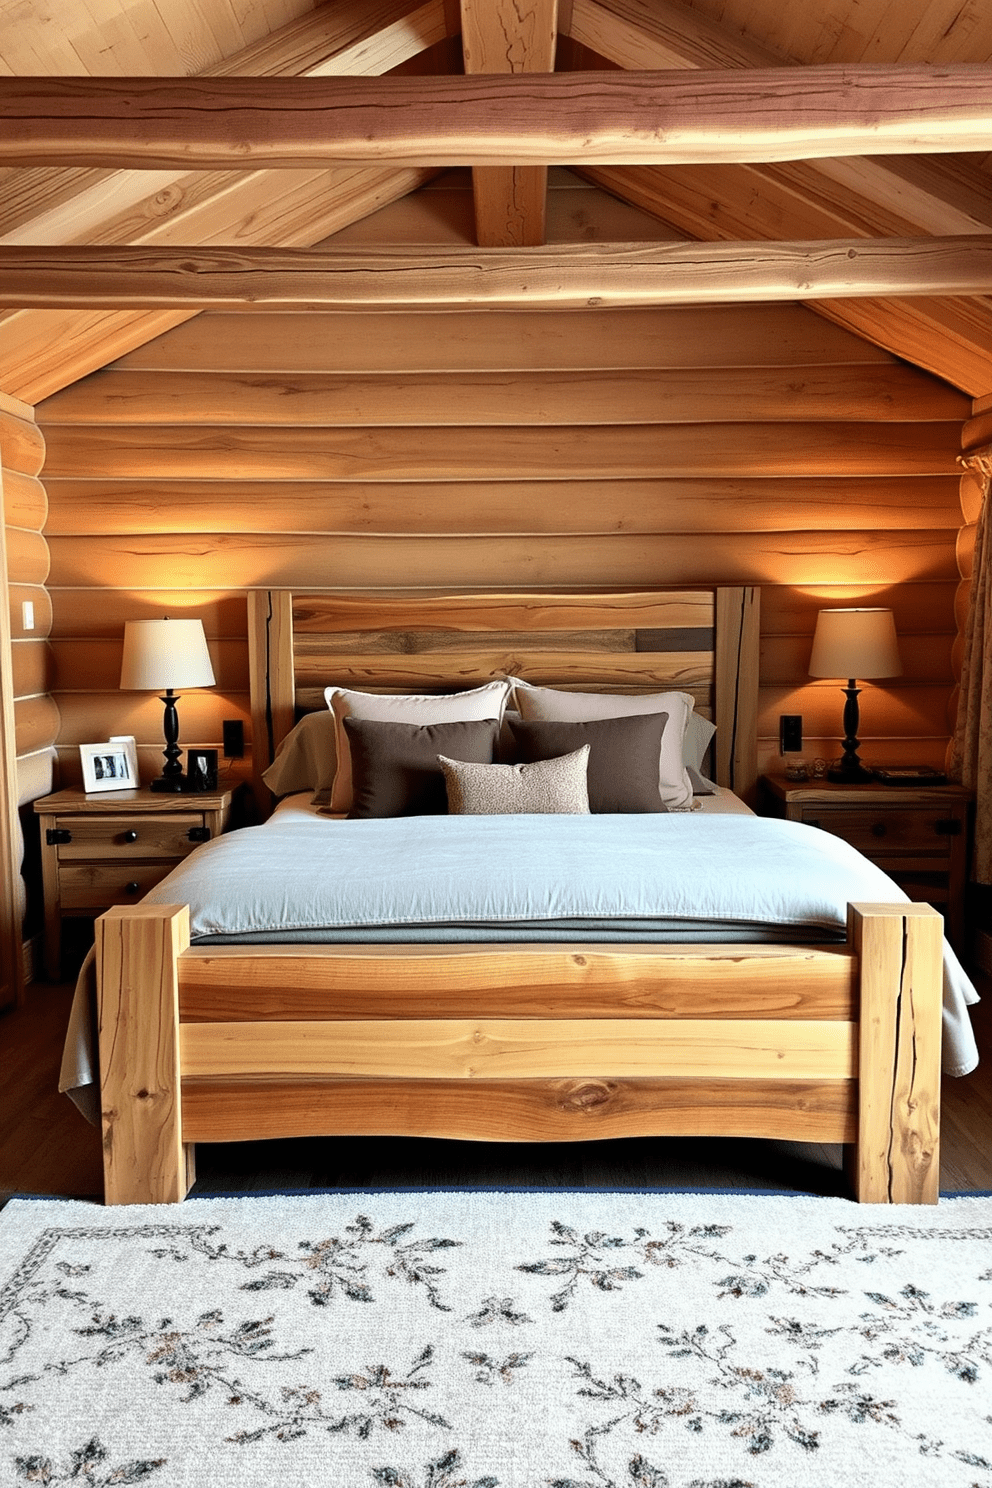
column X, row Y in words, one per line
column 487, row 701
column 674, row 785
column 544, row 787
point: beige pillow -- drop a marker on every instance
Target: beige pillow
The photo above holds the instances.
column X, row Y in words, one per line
column 546, row 787
column 306, row 760
column 557, row 706
column 478, row 703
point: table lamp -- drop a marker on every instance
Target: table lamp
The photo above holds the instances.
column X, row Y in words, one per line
column 166, row 654
column 852, row 644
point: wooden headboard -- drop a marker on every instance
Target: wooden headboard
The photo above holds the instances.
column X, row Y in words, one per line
column 704, row 642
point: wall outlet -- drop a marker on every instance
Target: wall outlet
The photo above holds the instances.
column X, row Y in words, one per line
column 234, row 738
column 790, row 733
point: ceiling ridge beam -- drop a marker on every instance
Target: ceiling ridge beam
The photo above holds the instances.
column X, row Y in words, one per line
column 561, row 276
column 579, row 118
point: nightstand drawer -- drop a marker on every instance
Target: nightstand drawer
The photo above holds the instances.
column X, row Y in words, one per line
column 879, row 831
column 126, row 836
column 97, row 886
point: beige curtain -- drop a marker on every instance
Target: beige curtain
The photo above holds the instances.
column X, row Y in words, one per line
column 971, row 753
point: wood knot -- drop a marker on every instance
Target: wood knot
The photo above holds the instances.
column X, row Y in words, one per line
column 141, row 1095
column 587, row 1097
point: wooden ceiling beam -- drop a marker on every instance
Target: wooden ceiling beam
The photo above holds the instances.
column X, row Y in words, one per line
column 830, row 198
column 651, row 118
column 509, row 36
column 580, row 275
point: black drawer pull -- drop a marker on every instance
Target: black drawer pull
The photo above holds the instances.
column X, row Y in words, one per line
column 199, row 834
column 949, row 826
column 131, row 888
column 878, row 829
column 55, row 835
column 131, row 836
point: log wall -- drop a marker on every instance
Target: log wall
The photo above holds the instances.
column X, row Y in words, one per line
column 30, row 722
column 603, row 448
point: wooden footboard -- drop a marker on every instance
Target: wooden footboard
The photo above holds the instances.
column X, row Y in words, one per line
column 520, row 1043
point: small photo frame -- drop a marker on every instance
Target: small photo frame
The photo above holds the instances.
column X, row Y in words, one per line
column 107, row 767
column 201, row 769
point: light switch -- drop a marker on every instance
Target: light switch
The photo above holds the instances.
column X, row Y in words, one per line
column 27, row 614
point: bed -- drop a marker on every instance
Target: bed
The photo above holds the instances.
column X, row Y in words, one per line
column 517, row 1038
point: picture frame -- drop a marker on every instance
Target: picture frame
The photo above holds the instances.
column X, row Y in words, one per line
column 201, row 770
column 107, row 767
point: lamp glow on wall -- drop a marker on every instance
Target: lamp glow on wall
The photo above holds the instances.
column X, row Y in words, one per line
column 163, row 655
column 854, row 643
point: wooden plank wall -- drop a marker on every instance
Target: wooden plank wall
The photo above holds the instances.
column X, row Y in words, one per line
column 605, row 448
column 31, row 714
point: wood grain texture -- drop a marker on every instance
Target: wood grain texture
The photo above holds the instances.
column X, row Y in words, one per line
column 861, row 557
column 91, row 506
column 563, row 276
column 27, row 556
column 899, row 950
column 37, row 721
column 534, row 1048
column 638, row 451
column 144, row 1161
column 568, row 1110
column 22, row 444
column 788, row 394
column 473, row 341
column 25, row 502
column 564, row 118
column 586, row 981
column 11, row 842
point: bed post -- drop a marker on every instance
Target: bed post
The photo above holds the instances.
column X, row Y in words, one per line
column 137, row 950
column 899, row 951
column 735, row 686
column 270, row 667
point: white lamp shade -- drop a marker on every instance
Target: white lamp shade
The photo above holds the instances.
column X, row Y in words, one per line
column 162, row 654
column 855, row 643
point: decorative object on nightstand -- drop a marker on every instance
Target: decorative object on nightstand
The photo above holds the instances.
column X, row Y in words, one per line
column 101, row 850
column 854, row 643
column 166, row 654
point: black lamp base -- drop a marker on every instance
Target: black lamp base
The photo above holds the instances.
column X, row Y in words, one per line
column 850, row 770
column 173, row 784
column 842, row 775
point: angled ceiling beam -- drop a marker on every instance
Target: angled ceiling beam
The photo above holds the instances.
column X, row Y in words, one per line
column 576, row 276
column 585, row 118
column 509, row 36
column 860, row 196
column 43, row 351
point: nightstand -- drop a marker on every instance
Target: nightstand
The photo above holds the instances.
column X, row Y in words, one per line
column 918, row 834
column 111, row 848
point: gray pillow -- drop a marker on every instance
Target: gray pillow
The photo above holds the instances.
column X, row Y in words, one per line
column 623, row 756
column 553, row 786
column 394, row 766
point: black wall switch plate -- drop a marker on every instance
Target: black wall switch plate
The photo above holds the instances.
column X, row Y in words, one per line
column 790, row 733
column 234, row 738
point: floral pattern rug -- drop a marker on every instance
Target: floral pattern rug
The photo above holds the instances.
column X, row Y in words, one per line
column 474, row 1339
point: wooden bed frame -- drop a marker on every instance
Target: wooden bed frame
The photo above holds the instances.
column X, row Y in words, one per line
column 518, row 1042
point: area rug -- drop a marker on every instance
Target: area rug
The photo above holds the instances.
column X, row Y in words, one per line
column 474, row 1339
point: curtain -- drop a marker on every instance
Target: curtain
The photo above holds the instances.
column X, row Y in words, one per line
column 971, row 751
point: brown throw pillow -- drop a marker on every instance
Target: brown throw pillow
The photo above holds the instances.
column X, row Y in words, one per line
column 395, row 768
column 623, row 756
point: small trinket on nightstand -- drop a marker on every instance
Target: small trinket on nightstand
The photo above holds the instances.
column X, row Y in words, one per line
column 796, row 770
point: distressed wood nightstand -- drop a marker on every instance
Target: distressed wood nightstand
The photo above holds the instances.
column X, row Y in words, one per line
column 111, row 848
column 918, row 834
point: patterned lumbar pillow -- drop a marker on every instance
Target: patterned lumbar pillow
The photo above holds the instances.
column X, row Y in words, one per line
column 545, row 787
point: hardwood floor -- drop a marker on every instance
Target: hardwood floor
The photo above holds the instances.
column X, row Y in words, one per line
column 46, row 1147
